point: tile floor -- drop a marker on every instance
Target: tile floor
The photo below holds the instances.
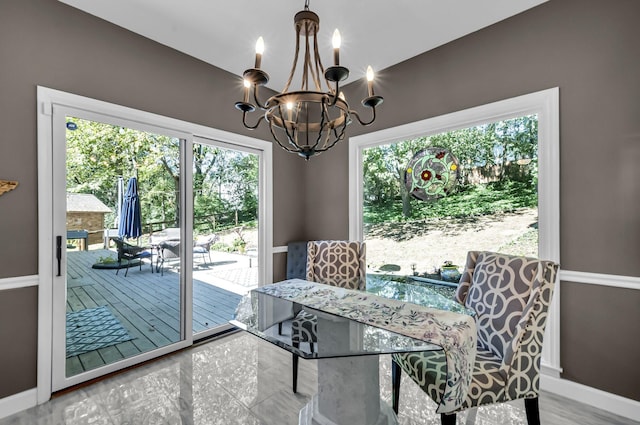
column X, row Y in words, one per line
column 239, row 379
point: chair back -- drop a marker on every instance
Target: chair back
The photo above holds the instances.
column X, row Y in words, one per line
column 297, row 260
column 120, row 247
column 205, row 241
column 337, row 263
column 511, row 296
column 170, row 248
column 125, row 250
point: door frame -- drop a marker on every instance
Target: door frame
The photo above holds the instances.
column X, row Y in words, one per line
column 46, row 99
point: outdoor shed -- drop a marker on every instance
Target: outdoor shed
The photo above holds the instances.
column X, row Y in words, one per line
column 86, row 212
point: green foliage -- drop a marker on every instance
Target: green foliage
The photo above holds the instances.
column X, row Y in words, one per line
column 498, row 172
column 221, row 247
column 225, row 182
column 107, row 260
column 474, row 200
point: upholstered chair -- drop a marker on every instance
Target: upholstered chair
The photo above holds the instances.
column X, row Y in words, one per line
column 510, row 296
column 297, row 260
column 336, row 263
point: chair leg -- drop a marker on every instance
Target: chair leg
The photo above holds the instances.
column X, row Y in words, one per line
column 396, row 374
column 448, row 419
column 533, row 411
column 295, row 373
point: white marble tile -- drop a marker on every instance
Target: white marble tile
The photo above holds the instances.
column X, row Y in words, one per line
column 241, row 380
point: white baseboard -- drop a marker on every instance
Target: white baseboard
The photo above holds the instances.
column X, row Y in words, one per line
column 597, row 398
column 18, row 402
column 549, row 370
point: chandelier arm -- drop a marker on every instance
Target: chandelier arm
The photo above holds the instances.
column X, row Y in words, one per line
column 244, row 122
column 335, row 93
column 290, row 136
column 295, row 61
column 343, row 127
column 355, row 113
column 275, row 137
column 282, row 145
column 259, row 104
column 322, row 120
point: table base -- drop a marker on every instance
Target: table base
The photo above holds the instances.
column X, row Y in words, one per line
column 309, row 415
column 348, row 394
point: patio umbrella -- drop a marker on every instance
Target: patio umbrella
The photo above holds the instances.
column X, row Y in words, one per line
column 130, row 220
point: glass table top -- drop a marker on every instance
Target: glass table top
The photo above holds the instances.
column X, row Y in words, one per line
column 271, row 319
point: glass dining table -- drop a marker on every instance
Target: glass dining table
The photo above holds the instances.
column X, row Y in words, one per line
column 352, row 328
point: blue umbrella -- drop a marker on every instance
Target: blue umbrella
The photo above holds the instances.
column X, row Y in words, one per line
column 130, row 220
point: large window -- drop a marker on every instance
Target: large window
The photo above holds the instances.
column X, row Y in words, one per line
column 428, row 200
column 377, row 216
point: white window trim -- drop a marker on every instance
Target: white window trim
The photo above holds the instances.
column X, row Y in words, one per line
column 46, row 99
column 545, row 104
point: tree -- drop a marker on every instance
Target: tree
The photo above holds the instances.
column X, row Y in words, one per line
column 225, row 181
column 496, row 145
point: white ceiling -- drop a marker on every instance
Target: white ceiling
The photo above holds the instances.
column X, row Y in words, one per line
column 374, row 32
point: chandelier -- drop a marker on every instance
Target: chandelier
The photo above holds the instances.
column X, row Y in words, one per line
column 310, row 120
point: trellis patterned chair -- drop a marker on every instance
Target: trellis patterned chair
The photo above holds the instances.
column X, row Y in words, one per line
column 510, row 296
column 336, row 263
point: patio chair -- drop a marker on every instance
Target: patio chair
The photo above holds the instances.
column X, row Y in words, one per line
column 129, row 253
column 510, row 296
column 168, row 250
column 202, row 246
column 336, row 263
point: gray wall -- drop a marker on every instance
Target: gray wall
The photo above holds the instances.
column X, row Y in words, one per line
column 19, row 339
column 44, row 42
column 589, row 49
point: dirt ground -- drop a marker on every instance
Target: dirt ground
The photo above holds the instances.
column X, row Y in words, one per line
column 429, row 243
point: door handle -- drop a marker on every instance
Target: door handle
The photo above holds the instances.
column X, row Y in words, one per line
column 59, row 254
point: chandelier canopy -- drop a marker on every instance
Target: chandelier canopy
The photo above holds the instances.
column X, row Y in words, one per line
column 310, row 120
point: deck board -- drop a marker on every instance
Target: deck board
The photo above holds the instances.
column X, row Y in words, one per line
column 146, row 304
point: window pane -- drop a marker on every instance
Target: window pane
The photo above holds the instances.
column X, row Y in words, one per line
column 430, row 200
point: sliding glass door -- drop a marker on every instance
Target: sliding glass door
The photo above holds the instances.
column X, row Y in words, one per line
column 116, row 183
column 150, row 231
column 226, row 231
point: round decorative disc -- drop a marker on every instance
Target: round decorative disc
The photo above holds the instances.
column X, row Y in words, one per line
column 432, row 173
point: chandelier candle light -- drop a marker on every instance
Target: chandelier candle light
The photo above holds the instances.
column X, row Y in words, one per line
column 311, row 120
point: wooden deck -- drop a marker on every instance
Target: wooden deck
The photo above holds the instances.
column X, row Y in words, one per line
column 146, row 303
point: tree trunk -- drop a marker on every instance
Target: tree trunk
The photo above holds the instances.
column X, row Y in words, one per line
column 404, row 194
